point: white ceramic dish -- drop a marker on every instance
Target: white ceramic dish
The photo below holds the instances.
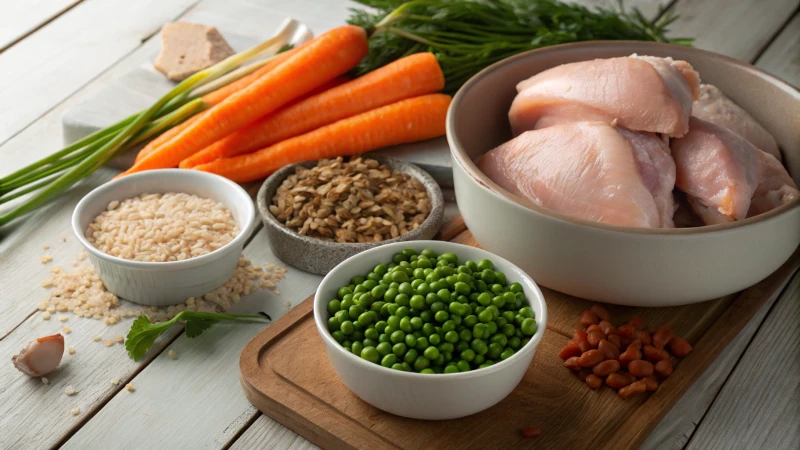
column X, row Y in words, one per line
column 166, row 283
column 421, row 396
column 623, row 265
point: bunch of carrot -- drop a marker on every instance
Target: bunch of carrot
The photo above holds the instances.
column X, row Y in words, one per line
column 300, row 107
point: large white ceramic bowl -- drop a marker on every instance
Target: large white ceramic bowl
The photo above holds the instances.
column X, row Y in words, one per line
column 415, row 395
column 166, row 283
column 623, row 265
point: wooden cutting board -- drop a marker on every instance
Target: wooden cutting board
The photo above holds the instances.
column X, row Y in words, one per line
column 286, row 374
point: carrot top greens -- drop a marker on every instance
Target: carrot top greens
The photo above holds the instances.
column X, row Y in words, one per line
column 469, row 35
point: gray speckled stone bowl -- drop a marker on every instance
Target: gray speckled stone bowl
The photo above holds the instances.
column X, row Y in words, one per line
column 318, row 256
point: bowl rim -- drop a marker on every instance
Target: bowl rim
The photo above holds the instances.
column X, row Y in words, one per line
column 234, row 190
column 541, row 322
column 278, row 177
column 471, row 169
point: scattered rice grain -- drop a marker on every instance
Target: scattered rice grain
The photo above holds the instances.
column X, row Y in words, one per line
column 173, row 354
column 75, row 411
column 63, row 318
column 70, row 391
column 71, row 351
column 45, row 315
column 45, row 380
column 66, row 330
column 119, row 339
column 45, row 258
column 108, row 342
column 130, row 387
column 46, row 246
column 96, row 338
column 115, row 381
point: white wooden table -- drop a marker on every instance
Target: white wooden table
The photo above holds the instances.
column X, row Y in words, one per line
column 55, row 53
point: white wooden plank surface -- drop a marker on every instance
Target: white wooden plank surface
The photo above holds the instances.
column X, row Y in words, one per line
column 62, row 56
column 759, row 405
column 195, row 401
column 737, row 28
column 782, row 57
column 21, row 17
column 266, row 432
column 677, row 427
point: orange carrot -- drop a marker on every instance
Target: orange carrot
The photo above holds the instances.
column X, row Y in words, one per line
column 324, row 58
column 406, row 121
column 214, row 98
column 408, row 77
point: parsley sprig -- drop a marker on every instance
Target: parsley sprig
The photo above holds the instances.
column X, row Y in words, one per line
column 143, row 332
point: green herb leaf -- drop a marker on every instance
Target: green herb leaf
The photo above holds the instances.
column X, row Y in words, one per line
column 468, row 35
column 144, row 333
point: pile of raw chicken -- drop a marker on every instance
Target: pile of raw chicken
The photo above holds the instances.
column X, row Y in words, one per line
column 637, row 141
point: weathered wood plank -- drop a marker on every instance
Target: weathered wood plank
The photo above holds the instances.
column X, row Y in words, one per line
column 735, row 28
column 62, row 56
column 676, row 428
column 20, row 18
column 266, row 432
column 199, row 391
column 782, row 57
column 757, row 406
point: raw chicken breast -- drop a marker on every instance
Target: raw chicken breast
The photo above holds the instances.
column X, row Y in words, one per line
column 718, row 171
column 715, row 107
column 774, row 189
column 641, row 93
column 589, row 170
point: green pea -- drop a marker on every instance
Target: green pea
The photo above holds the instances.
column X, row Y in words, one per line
column 372, row 276
column 449, row 257
column 492, row 327
column 465, row 335
column 397, row 366
column 370, row 354
column 419, row 274
column 479, row 346
column 333, row 324
column 381, row 325
column 356, row 280
column 402, row 300
column 399, row 276
column 464, row 278
column 462, row 345
column 405, row 288
column 495, row 311
column 514, row 342
column 416, row 283
column 347, row 328
column 379, row 291
column 456, row 319
column 426, row 371
column 417, row 302
column 508, row 315
column 431, row 298
column 496, row 289
column 526, row 312
column 470, row 320
column 444, row 271
column 485, row 316
column 421, row 363
column 524, row 341
column 464, row 269
column 371, row 333
column 397, row 336
column 429, row 253
column 376, row 307
column 448, row 325
column 528, row 326
column 500, row 321
column 501, row 278
column 439, row 361
column 357, row 327
column 468, row 355
column 426, row 315
column 393, row 321
column 392, row 308
column 507, row 330
column 410, row 356
column 399, row 349
column 365, row 318
column 482, row 286
column 431, row 278
column 471, row 264
column 424, row 263
column 403, row 311
column 479, row 331
column 389, row 360
column 431, row 352
column 384, row 348
column 441, row 316
column 434, row 339
column 451, row 368
column 440, row 285
column 367, row 341
column 463, row 366
column 462, row 288
column 356, row 347
column 457, row 309
column 485, row 264
column 515, row 288
column 423, row 288
column 484, row 298
column 451, row 280
column 494, row 350
column 422, row 343
column 411, row 340
column 416, row 323
column 451, row 336
column 507, row 353
column 485, row 365
column 479, row 359
column 346, row 304
column 437, row 306
column 428, row 328
column 446, row 347
column 338, row 336
column 384, row 312
column 499, row 301
column 405, row 325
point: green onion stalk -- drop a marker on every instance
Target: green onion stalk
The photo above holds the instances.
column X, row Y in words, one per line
column 468, row 35
column 52, row 175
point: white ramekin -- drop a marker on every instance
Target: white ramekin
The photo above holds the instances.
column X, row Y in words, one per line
column 426, row 396
column 166, row 283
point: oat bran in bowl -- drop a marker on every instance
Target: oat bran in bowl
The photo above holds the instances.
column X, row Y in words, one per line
column 316, row 217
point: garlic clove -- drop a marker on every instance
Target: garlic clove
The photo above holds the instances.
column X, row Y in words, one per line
column 40, row 356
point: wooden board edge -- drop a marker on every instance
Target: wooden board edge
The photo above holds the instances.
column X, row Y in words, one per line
column 638, row 426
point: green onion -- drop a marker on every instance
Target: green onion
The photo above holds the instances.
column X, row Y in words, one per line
column 57, row 172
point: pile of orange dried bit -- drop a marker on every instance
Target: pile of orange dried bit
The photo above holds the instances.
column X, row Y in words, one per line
column 595, row 353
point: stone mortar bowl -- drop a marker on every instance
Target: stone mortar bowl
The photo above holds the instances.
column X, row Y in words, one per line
column 317, row 256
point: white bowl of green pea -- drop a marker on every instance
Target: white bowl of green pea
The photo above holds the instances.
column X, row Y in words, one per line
column 429, row 329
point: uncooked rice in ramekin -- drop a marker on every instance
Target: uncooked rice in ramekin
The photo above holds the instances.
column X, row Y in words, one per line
column 162, row 227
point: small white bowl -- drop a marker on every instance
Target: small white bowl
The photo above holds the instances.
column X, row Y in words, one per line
column 166, row 283
column 426, row 396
